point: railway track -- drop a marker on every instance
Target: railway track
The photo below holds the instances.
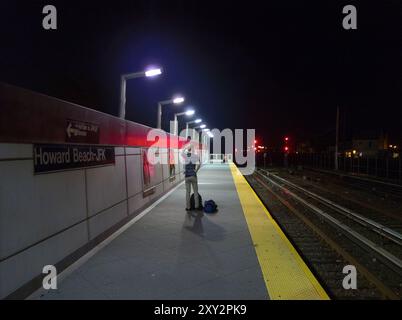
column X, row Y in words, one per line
column 364, row 240
column 373, row 207
column 381, row 188
column 369, row 224
column 383, row 210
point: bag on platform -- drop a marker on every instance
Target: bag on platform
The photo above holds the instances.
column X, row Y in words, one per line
column 192, row 201
column 210, row 206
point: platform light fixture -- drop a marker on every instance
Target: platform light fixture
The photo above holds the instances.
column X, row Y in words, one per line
column 175, row 100
column 153, row 72
column 178, row 100
column 190, row 122
column 187, row 113
column 123, row 81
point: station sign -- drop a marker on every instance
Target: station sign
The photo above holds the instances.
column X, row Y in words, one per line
column 60, row 157
column 81, row 132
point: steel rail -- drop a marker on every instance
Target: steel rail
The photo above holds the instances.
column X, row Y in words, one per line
column 388, row 258
column 386, row 291
column 379, row 228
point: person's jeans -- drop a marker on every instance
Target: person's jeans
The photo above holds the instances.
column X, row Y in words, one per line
column 192, row 182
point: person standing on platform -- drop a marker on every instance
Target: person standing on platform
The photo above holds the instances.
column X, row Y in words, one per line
column 191, row 166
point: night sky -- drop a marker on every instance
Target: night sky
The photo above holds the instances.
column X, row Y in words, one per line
column 277, row 66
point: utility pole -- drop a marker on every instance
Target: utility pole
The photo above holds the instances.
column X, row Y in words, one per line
column 337, row 138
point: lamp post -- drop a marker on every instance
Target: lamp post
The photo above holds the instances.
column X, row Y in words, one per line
column 206, row 132
column 203, row 145
column 176, row 100
column 201, row 126
column 128, row 76
column 190, row 122
column 206, row 137
column 187, row 113
column 337, row 139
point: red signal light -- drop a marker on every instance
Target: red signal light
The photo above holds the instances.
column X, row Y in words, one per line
column 286, row 138
column 286, row 148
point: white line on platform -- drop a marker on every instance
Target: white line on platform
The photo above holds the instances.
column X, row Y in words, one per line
column 214, row 183
column 74, row 266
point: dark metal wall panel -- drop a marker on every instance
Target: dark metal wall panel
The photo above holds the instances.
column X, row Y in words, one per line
column 29, row 117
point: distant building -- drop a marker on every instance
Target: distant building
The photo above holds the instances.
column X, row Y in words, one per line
column 304, row 147
column 361, row 145
column 367, row 146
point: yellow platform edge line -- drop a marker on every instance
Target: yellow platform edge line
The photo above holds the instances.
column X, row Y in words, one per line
column 281, row 285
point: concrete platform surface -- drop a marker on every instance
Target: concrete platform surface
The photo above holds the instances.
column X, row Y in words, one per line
column 171, row 254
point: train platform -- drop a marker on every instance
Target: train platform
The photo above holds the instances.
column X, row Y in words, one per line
column 167, row 253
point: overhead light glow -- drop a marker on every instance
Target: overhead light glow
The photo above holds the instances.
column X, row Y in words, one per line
column 178, row 100
column 190, row 112
column 153, row 72
column 203, row 126
column 197, row 120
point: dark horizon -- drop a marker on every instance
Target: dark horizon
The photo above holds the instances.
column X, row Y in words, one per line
column 279, row 68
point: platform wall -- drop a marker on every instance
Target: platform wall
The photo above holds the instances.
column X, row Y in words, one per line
column 46, row 218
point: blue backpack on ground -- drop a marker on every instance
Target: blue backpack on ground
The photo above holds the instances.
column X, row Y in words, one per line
column 210, row 206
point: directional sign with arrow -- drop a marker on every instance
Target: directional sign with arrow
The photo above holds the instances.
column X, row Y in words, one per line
column 83, row 132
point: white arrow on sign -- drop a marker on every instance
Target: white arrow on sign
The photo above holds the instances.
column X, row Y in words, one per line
column 74, row 131
column 69, row 130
